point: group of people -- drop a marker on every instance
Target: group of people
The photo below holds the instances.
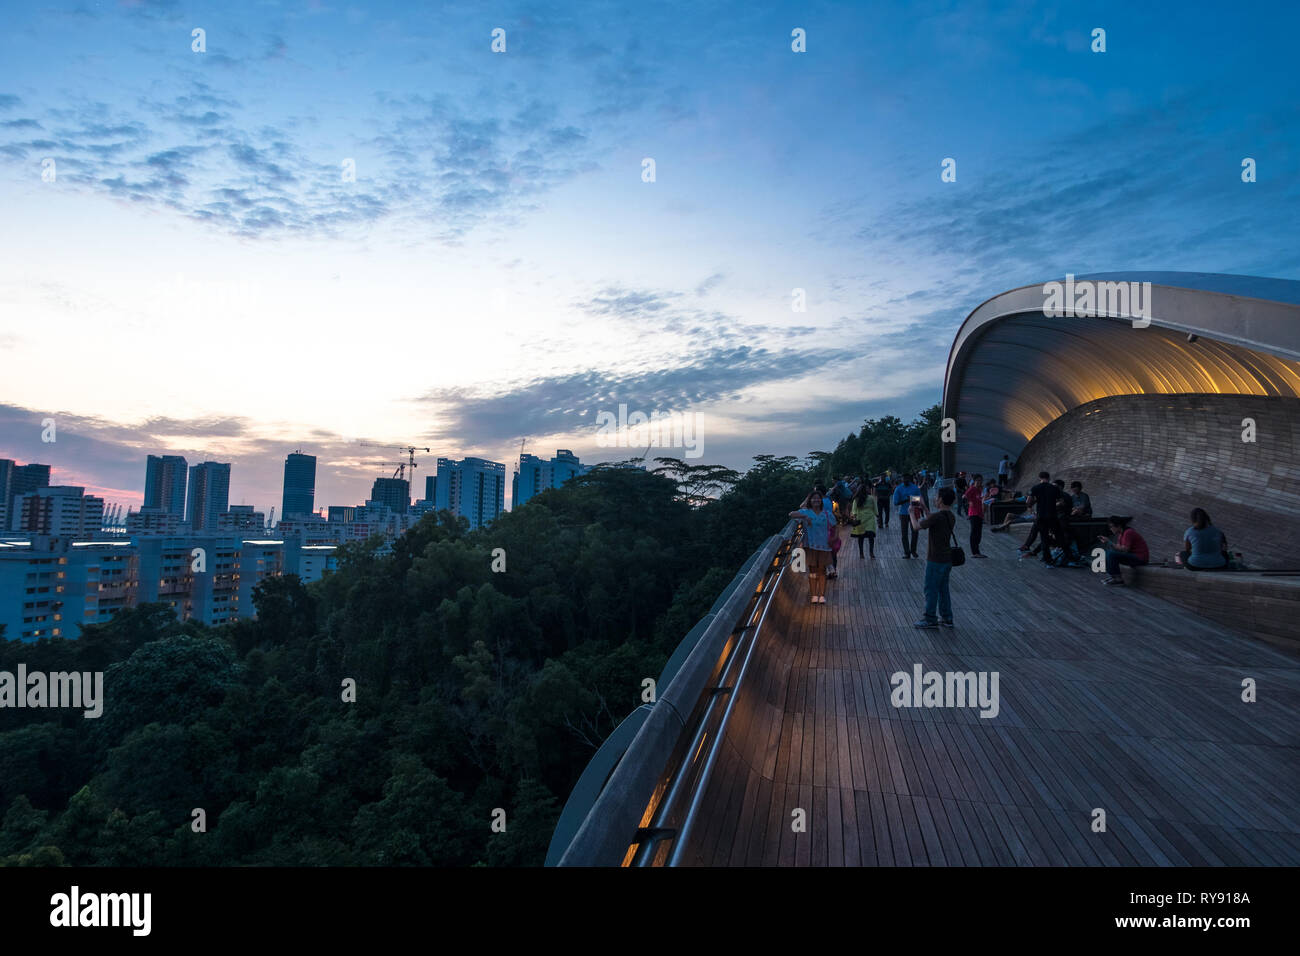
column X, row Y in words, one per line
column 863, row 506
column 1053, row 510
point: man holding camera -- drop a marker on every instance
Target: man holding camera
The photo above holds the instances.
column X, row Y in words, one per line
column 938, row 557
column 907, row 495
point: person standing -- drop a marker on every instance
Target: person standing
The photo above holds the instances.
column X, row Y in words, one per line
column 1004, row 470
column 1043, row 498
column 974, row 497
column 863, row 520
column 842, row 498
column 817, row 540
column 940, row 525
column 882, row 501
column 903, row 496
column 959, row 485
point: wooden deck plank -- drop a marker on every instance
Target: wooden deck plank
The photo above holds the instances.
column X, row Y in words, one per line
column 1109, row 698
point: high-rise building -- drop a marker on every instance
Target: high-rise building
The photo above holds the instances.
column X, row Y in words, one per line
column 431, row 488
column 153, row 521
column 62, row 510
column 241, row 518
column 50, row 587
column 473, row 487
column 535, row 475
column 21, row 479
column 299, row 485
column 209, row 495
column 6, row 482
column 164, row 484
column 393, row 492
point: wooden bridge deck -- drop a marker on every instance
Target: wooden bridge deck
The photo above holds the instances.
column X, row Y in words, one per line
column 1109, row 698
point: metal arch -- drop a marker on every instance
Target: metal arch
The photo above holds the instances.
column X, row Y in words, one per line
column 1250, row 327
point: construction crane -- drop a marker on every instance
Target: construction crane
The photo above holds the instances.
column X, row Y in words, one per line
column 401, row 466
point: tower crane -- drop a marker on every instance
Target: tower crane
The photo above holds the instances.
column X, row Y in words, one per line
column 403, row 465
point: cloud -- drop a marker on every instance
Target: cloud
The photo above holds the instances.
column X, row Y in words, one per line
column 628, row 304
column 709, row 284
column 568, row 403
column 436, row 163
column 108, row 457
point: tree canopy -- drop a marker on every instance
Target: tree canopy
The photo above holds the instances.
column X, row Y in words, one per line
column 476, row 690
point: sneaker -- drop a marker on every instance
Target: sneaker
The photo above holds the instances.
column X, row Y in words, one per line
column 821, row 599
column 923, row 623
column 979, row 555
column 1113, row 582
column 945, row 623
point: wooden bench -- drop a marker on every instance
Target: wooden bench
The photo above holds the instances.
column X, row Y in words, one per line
column 1261, row 603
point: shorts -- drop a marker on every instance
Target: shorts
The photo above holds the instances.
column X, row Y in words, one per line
column 817, row 560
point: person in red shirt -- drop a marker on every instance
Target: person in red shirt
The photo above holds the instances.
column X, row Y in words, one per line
column 1129, row 548
column 974, row 496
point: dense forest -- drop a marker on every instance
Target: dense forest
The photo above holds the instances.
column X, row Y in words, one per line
column 475, row 688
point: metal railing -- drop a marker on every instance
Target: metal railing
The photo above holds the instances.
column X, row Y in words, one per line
column 673, row 827
column 638, row 799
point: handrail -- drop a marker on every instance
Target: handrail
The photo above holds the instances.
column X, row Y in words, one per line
column 681, row 839
column 615, row 827
column 698, row 782
column 592, row 782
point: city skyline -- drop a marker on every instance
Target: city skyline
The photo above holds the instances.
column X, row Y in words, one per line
column 200, row 278
column 293, row 466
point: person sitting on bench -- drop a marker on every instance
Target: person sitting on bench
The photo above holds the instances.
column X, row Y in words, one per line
column 1129, row 548
column 1080, row 503
column 1204, row 546
column 1025, row 517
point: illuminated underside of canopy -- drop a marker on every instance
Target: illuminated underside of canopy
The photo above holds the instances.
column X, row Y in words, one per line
column 1013, row 370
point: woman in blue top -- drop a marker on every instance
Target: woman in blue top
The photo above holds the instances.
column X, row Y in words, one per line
column 1204, row 545
column 817, row 543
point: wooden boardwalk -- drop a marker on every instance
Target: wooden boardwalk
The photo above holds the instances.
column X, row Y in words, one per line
column 1110, row 699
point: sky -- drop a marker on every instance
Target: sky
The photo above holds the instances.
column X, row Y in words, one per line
column 187, row 267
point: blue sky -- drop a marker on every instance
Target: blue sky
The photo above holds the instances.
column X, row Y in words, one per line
column 200, row 279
